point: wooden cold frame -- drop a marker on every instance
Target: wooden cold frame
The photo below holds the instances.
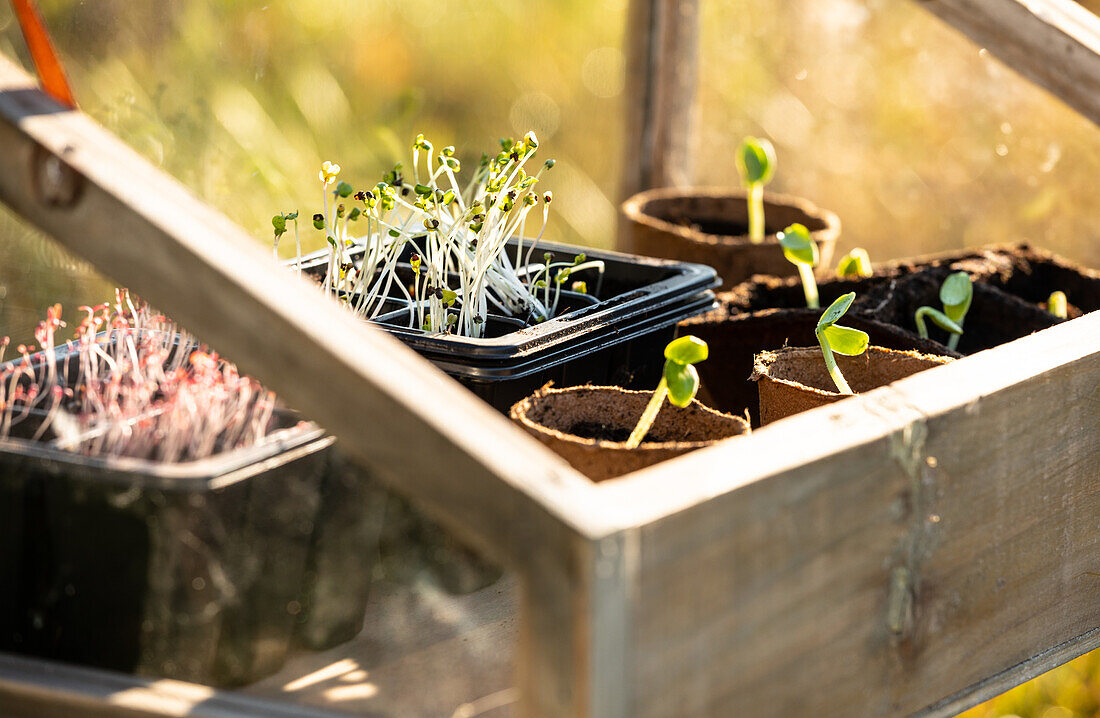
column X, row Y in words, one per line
column 909, row 551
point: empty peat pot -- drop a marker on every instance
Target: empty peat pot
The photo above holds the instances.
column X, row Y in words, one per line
column 795, row 379
column 589, row 425
column 709, row 225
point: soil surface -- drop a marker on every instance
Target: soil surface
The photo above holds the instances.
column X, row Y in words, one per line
column 995, row 316
column 604, row 432
column 706, row 226
column 1028, row 274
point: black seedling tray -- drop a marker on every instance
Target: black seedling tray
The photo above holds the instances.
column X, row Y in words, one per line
column 637, row 303
column 191, row 570
column 198, row 570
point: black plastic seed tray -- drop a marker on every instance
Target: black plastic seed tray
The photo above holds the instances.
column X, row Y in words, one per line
column 189, row 571
column 198, row 570
column 636, row 303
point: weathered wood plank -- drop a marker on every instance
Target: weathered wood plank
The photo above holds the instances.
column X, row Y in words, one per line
column 914, row 549
column 1053, row 43
column 40, row 689
column 434, row 441
column 662, row 64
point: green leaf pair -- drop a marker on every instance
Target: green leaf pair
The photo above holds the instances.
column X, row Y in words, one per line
column 679, row 383
column 842, row 340
column 956, row 294
column 800, row 250
column 756, row 163
column 854, row 264
column 681, row 377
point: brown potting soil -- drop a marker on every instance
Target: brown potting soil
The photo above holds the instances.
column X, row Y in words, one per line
column 995, row 316
column 583, row 425
column 724, row 229
column 736, row 340
column 793, row 380
column 1028, row 273
column 767, row 292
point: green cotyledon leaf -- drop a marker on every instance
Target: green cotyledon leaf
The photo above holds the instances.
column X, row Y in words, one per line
column 798, row 246
column 956, row 294
column 682, row 381
column 756, row 160
column 845, row 340
column 686, row 350
column 836, row 310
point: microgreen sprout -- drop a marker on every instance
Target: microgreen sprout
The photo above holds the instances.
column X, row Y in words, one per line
column 854, row 264
column 679, row 383
column 458, row 235
column 956, row 294
column 842, row 340
column 756, row 163
column 801, row 251
column 1058, row 305
column 130, row 384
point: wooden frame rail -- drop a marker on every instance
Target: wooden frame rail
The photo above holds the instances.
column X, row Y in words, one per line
column 909, row 551
column 496, row 486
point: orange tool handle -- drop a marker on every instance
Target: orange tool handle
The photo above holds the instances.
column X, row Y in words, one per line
column 50, row 72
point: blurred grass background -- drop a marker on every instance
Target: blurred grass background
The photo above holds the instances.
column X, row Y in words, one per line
column 919, row 140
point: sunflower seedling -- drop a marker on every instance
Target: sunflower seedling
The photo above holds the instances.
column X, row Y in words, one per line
column 956, row 294
column 801, row 251
column 756, row 163
column 679, row 383
column 854, row 264
column 842, row 340
column 1058, row 305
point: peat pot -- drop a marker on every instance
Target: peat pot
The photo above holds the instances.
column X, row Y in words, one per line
column 613, row 334
column 709, row 225
column 588, row 425
column 795, row 379
column 736, row 339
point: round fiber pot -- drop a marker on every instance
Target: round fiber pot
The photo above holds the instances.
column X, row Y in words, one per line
column 588, row 425
column 736, row 339
column 709, row 225
column 795, row 379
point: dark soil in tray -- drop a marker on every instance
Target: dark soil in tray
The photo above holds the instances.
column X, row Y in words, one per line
column 1022, row 271
column 995, row 317
column 767, row 292
column 735, row 341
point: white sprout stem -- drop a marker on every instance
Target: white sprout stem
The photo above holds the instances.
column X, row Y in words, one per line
column 831, row 365
column 648, row 416
column 809, row 285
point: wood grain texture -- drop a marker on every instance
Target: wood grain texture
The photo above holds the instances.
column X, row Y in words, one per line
column 420, row 431
column 662, row 65
column 911, row 550
column 1053, row 43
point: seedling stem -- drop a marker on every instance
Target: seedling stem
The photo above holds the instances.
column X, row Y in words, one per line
column 679, row 383
column 842, row 340
column 756, row 164
column 801, row 251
